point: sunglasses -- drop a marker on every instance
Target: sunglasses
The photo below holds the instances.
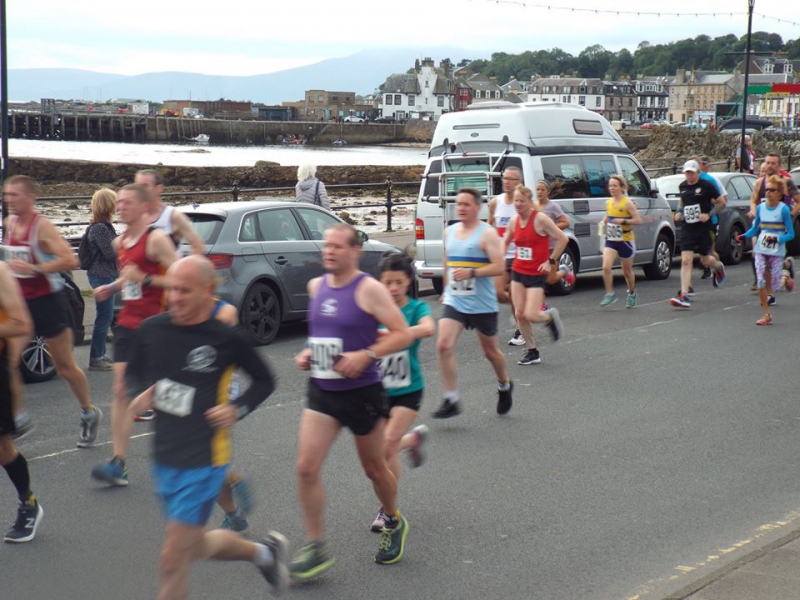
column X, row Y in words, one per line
column 771, row 189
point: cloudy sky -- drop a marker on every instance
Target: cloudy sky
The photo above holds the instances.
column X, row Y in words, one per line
column 249, row 37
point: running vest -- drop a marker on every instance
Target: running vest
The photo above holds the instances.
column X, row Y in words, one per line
column 533, row 249
column 139, row 302
column 402, row 373
column 477, row 294
column 773, row 224
column 614, row 231
column 164, row 223
column 762, row 190
column 503, row 213
column 27, row 248
column 337, row 324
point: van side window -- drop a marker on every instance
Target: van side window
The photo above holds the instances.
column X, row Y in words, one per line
column 637, row 181
column 598, row 170
column 566, row 177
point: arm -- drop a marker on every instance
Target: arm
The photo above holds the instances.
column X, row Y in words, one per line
column 103, row 240
column 494, row 249
column 755, row 227
column 492, row 204
column 755, row 198
column 545, row 224
column 52, row 243
column 302, row 359
column 788, row 223
column 508, row 237
column 18, row 322
column 324, row 200
column 635, row 218
column 184, row 230
column 228, row 315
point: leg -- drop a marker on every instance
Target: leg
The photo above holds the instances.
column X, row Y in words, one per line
column 16, row 466
column 15, row 348
column 66, row 367
column 316, row 434
column 519, row 300
column 449, row 330
column 760, row 266
column 491, row 350
column 533, row 303
column 121, row 417
column 395, row 439
column 627, row 271
column 102, row 321
column 181, row 544
column 371, row 453
column 609, row 256
column 687, row 258
column 501, row 288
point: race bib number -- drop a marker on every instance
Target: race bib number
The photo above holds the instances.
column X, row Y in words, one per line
column 613, row 232
column 524, row 253
column 768, row 243
column 131, row 291
column 691, row 213
column 465, row 287
column 174, row 398
column 396, row 370
column 23, row 253
column 323, row 353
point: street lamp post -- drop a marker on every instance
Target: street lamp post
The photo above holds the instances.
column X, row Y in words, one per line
column 743, row 146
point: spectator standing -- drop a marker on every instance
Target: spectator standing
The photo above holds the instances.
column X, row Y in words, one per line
column 309, row 188
column 748, row 162
column 102, row 270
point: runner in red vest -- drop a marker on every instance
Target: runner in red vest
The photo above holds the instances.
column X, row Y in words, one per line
column 144, row 254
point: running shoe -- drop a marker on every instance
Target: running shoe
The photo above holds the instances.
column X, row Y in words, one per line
column 689, row 294
column 148, row 415
column 23, row 426
column 771, row 301
column 379, row 522
column 101, row 364
column 706, row 273
column 631, row 301
column 89, row 423
column 789, row 262
column 516, row 339
column 555, row 325
column 416, row 454
column 681, row 301
column 277, row 574
column 447, row 409
column 531, row 357
column 719, row 276
column 243, row 494
column 24, row 528
column 504, row 400
column 392, row 543
column 765, row 320
column 312, row 560
column 543, row 306
column 234, row 522
column 114, row 472
column 608, row 299
column 569, row 276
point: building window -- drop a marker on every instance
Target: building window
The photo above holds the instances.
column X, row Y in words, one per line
column 388, row 99
column 597, row 102
column 582, row 100
column 788, row 68
column 497, row 94
column 427, row 83
column 440, row 100
column 398, row 99
column 412, row 99
column 768, row 67
column 477, row 93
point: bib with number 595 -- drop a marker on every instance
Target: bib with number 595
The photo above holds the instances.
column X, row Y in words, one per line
column 613, row 232
column 691, row 213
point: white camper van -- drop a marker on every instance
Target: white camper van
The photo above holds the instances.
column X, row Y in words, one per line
column 572, row 148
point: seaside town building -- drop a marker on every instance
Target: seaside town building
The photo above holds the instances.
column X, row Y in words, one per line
column 426, row 93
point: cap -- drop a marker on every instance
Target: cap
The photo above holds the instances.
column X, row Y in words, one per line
column 691, row 165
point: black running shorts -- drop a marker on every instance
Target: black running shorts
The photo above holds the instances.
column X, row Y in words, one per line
column 359, row 410
column 6, row 408
column 486, row 323
column 124, row 338
column 50, row 314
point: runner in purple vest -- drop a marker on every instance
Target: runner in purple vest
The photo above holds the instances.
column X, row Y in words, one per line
column 345, row 390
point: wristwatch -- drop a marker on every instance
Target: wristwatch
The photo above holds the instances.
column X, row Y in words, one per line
column 147, row 280
column 552, row 261
column 371, row 354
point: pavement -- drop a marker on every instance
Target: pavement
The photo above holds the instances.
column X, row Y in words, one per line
column 762, row 567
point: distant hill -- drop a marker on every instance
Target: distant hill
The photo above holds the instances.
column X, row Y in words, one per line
column 361, row 73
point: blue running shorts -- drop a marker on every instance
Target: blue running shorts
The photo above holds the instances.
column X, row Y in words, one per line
column 188, row 495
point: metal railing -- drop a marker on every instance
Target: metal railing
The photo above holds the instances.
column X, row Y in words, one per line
column 674, row 168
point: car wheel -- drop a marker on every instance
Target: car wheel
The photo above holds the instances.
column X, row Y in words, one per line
column 261, row 313
column 36, row 364
column 731, row 251
column 562, row 288
column 661, row 266
column 438, row 285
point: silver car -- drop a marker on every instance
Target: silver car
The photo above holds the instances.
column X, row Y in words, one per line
column 265, row 253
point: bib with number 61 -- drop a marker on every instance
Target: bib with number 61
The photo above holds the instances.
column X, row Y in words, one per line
column 174, row 398
column 131, row 291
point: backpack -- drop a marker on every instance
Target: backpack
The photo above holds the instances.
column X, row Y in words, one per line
column 317, row 201
column 86, row 254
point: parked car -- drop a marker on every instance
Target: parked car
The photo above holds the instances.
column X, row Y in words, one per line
column 733, row 219
column 795, row 173
column 353, row 119
column 265, row 252
column 37, row 363
column 649, row 125
column 386, row 120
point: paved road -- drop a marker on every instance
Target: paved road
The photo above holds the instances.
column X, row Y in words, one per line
column 645, row 443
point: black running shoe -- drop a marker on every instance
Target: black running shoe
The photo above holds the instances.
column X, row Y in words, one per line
column 504, row 401
column 690, row 293
column 447, row 410
column 24, row 528
column 531, row 357
column 771, row 300
column 706, row 273
column 555, row 325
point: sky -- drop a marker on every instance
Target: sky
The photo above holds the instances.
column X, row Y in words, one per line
column 251, row 37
